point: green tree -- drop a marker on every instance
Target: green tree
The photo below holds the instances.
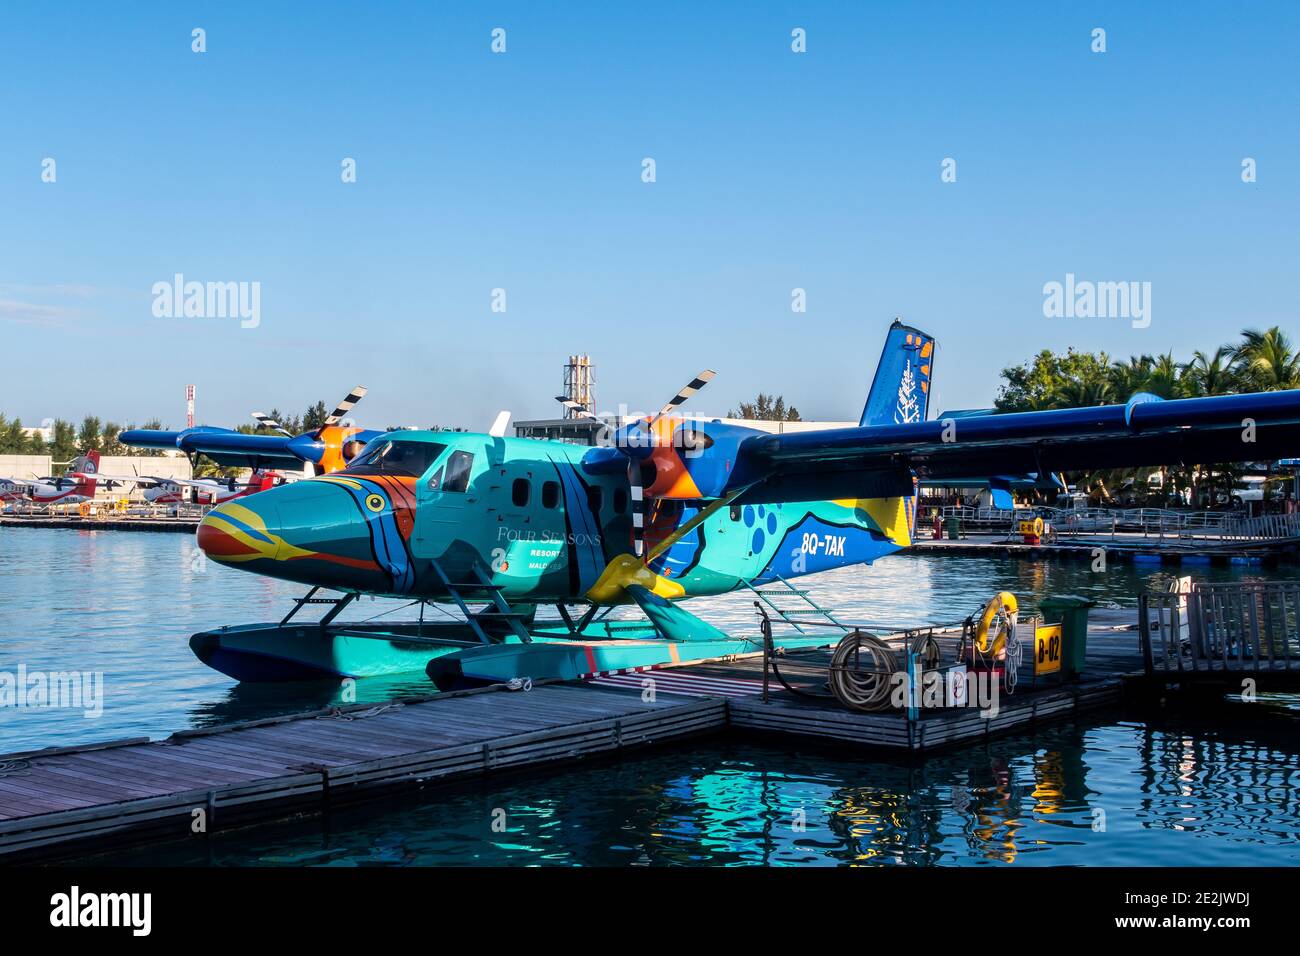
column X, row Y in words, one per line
column 63, row 443
column 314, row 417
column 109, row 445
column 1266, row 360
column 89, row 435
column 1054, row 381
column 15, row 441
column 766, row 408
column 1209, row 374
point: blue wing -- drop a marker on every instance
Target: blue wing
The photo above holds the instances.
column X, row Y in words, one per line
column 222, row 445
column 881, row 460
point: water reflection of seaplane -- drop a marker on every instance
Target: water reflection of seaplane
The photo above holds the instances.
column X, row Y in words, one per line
column 665, row 508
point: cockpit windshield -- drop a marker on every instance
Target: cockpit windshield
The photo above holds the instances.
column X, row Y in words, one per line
column 388, row 456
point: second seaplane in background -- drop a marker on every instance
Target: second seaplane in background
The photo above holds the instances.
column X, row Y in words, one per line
column 322, row 450
column 663, row 509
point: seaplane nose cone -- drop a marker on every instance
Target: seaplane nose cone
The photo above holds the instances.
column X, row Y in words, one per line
column 243, row 530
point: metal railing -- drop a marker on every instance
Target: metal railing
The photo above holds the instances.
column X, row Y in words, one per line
column 107, row 511
column 1221, row 628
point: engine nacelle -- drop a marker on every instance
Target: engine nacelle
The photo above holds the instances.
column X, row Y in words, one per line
column 689, row 459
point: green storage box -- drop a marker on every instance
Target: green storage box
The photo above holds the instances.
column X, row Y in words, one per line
column 1072, row 614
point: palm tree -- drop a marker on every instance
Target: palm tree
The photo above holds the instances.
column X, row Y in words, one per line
column 1129, row 378
column 1209, row 375
column 1082, row 393
column 1267, row 360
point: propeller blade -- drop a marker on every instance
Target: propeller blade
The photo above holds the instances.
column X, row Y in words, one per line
column 266, row 421
column 637, row 496
column 345, row 406
column 578, row 409
column 697, row 383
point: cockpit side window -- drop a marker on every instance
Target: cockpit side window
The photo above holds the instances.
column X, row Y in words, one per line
column 459, row 465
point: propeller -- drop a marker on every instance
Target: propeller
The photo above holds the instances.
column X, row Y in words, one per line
column 266, row 421
column 640, row 436
column 345, row 406
column 697, row 383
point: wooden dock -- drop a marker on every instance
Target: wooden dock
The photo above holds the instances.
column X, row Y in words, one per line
column 132, row 791
column 1114, row 658
column 55, row 802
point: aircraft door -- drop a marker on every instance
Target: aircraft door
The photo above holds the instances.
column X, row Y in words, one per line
column 446, row 512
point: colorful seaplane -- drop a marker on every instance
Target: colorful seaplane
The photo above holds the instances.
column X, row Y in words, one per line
column 664, row 508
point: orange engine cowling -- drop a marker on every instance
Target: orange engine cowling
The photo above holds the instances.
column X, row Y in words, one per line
column 337, row 452
column 669, row 477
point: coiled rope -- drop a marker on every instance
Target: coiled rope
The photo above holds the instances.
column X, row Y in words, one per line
column 859, row 687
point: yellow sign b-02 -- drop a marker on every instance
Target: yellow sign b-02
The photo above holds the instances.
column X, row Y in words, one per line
column 1047, row 649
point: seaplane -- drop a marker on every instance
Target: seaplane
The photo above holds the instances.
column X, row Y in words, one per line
column 171, row 491
column 72, row 488
column 323, row 450
column 664, row 508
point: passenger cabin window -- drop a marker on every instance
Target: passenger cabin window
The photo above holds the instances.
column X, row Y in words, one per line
column 410, row 459
column 620, row 501
column 550, row 494
column 519, row 492
column 595, row 498
column 459, row 466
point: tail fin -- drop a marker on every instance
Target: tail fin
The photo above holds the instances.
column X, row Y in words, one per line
column 900, row 392
column 88, row 466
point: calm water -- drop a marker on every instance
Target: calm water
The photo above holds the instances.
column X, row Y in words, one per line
column 1215, row 788
column 125, row 604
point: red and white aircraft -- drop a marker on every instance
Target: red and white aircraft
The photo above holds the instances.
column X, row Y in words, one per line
column 170, row 491
column 76, row 486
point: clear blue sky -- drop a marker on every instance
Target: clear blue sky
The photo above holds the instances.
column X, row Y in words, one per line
column 522, row 171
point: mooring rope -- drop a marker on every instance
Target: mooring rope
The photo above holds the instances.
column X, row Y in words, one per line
column 339, row 714
column 861, row 688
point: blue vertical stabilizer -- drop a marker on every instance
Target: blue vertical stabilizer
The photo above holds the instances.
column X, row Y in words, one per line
column 900, row 392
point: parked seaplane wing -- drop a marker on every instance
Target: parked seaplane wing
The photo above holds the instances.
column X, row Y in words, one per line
column 880, row 460
column 221, row 445
column 329, row 448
